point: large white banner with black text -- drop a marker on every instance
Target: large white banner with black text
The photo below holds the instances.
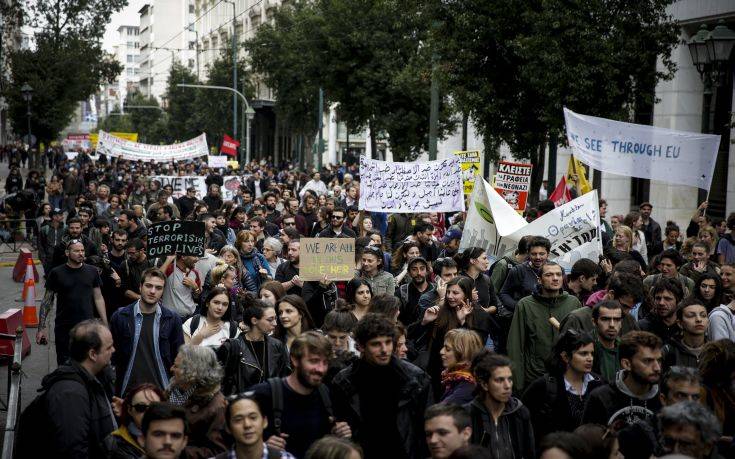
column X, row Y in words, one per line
column 120, row 148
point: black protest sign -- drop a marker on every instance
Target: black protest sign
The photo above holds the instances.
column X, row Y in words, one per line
column 176, row 237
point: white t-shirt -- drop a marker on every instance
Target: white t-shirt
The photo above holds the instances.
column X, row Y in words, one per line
column 215, row 340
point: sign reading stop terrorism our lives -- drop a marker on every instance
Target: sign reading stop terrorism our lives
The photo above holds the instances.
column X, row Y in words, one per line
column 179, row 237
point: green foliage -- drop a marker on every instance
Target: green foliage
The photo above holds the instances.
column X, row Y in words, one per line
column 67, row 65
column 180, row 125
column 149, row 123
column 370, row 56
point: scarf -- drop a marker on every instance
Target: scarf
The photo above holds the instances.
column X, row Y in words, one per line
column 460, row 373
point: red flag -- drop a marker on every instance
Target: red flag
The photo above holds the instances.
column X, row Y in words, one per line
column 229, row 146
column 561, row 194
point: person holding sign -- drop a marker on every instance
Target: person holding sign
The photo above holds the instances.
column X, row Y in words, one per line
column 288, row 273
column 183, row 284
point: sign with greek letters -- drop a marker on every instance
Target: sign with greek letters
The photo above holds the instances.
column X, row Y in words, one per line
column 513, row 182
column 427, row 186
column 331, row 257
column 181, row 237
column 635, row 150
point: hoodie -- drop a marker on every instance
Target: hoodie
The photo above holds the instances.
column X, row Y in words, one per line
column 721, row 323
column 614, row 401
column 511, row 437
column 676, row 353
column 532, row 336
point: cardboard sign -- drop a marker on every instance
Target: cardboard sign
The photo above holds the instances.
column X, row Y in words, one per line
column 333, row 257
column 176, row 237
column 470, row 162
column 513, row 182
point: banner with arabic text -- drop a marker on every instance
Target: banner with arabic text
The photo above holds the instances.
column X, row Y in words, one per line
column 120, row 148
column 428, row 186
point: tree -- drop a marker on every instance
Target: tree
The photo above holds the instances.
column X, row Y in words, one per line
column 68, row 63
column 513, row 64
column 182, row 103
column 370, row 56
column 147, row 122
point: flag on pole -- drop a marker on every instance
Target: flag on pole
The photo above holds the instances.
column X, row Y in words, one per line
column 229, row 146
column 561, row 194
column 577, row 176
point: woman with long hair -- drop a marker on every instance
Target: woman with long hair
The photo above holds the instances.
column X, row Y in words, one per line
column 622, row 241
column 556, row 399
column 402, row 255
column 709, row 236
column 322, row 221
column 460, row 347
column 252, row 260
column 293, row 319
column 473, row 263
column 43, row 217
column 700, row 263
column 230, row 255
column 271, row 292
column 214, row 325
column 123, row 443
column 364, row 225
column 358, row 294
column 238, row 219
column 708, row 289
column 634, row 221
column 456, row 311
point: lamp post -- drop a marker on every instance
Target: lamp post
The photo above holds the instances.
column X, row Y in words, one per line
column 711, row 53
column 250, row 115
column 234, row 68
column 27, row 92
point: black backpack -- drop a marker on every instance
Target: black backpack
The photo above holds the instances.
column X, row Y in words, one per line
column 277, row 402
column 196, row 318
column 34, row 425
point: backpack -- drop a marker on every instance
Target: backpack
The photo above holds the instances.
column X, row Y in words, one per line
column 276, row 385
column 196, row 318
column 33, row 424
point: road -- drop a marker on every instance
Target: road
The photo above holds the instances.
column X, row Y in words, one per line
column 42, row 359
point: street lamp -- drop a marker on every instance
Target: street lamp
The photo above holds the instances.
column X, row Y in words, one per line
column 250, row 115
column 27, row 92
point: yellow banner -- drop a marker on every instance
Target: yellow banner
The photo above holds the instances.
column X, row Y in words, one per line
column 577, row 176
column 93, row 136
column 470, row 163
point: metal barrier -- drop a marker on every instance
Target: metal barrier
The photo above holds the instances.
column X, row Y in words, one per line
column 21, row 233
column 14, row 380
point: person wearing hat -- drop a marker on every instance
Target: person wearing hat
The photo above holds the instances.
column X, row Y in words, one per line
column 451, row 242
column 410, row 292
column 650, row 227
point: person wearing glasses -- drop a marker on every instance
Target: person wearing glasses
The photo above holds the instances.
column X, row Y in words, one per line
column 123, row 443
column 272, row 249
column 337, row 227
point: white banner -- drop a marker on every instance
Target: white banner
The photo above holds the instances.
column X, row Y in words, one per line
column 217, row 161
column 429, row 186
column 116, row 147
column 572, row 228
column 181, row 183
column 635, row 150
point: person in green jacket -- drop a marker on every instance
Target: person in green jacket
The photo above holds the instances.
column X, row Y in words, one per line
column 535, row 325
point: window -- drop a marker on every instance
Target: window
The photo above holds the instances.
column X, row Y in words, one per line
column 192, row 45
column 191, row 9
column 130, row 44
column 130, row 58
column 191, row 63
column 130, row 71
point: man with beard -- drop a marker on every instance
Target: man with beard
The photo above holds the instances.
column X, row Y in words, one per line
column 667, row 293
column 410, row 293
column 532, row 331
column 132, row 269
column 633, row 396
column 288, row 273
column 607, row 317
column 271, row 214
column 382, row 397
column 306, row 216
column 299, row 407
column 670, row 262
column 213, row 199
column 337, row 227
column 73, row 232
column 522, row 279
column 78, row 286
column 117, row 250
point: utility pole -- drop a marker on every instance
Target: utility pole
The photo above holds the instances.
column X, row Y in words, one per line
column 320, row 124
column 234, row 69
column 434, row 108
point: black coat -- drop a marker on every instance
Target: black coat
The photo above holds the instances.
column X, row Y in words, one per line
column 241, row 365
column 546, row 399
column 614, row 399
column 414, row 397
column 80, row 413
column 520, row 282
column 512, row 436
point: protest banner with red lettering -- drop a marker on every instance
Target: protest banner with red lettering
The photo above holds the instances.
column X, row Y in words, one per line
column 229, row 146
column 513, row 182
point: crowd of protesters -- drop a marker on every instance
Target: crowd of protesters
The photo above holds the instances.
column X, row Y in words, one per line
column 426, row 352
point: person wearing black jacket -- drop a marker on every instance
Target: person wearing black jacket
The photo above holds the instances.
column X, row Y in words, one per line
column 666, row 294
column 634, row 394
column 380, row 388
column 500, row 422
column 254, row 356
column 691, row 316
column 337, row 227
column 556, row 399
column 76, row 399
column 213, row 199
column 522, row 279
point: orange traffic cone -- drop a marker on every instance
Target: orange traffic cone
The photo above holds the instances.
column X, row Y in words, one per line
column 30, row 318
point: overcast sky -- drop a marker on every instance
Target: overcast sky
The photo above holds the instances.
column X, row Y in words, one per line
column 128, row 16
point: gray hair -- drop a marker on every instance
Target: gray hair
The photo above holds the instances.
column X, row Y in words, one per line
column 693, row 414
column 273, row 244
column 200, row 367
column 679, row 373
